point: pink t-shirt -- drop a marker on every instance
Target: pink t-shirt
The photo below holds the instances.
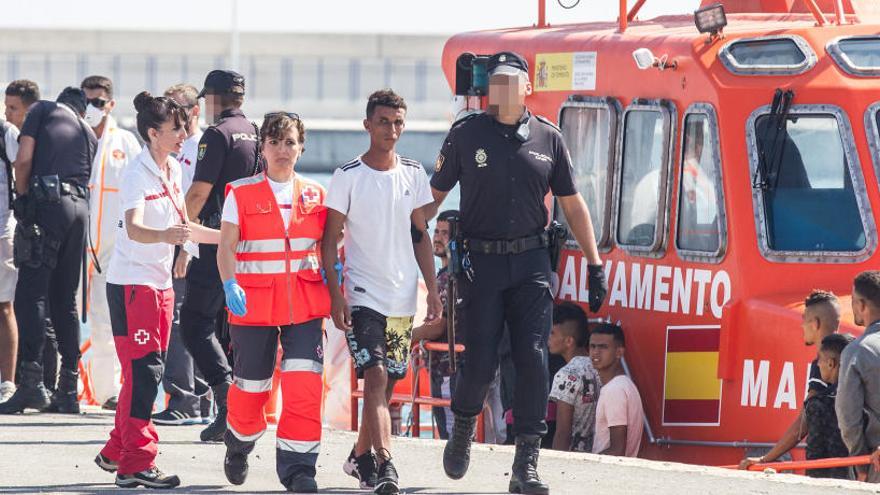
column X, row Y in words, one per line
column 619, row 405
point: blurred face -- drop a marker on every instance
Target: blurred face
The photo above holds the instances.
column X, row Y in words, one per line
column 507, row 93
column 441, row 239
column 385, row 127
column 604, row 352
column 15, row 110
column 829, row 366
column 557, row 342
column 281, row 153
column 212, row 108
column 168, row 138
column 810, row 324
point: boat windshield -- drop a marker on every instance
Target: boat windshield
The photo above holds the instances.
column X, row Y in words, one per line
column 808, row 196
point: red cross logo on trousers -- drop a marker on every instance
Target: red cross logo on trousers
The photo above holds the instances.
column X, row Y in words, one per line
column 142, row 337
column 310, row 195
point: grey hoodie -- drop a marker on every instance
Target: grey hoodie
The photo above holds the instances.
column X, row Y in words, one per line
column 858, row 395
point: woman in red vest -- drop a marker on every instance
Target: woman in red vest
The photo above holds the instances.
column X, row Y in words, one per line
column 269, row 262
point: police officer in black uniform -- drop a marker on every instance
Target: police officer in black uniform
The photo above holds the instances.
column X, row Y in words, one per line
column 53, row 165
column 506, row 161
column 228, row 151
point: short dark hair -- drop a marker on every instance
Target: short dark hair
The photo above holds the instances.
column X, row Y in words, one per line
column 446, row 215
column 569, row 311
column 152, row 112
column 278, row 123
column 819, row 296
column 384, row 98
column 98, row 82
column 867, row 284
column 835, row 343
column 610, row 329
column 25, row 89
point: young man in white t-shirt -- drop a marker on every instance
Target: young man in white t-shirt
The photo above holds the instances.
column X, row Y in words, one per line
column 576, row 385
column 619, row 413
column 377, row 197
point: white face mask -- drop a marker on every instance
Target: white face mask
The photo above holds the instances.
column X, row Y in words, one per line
column 94, row 116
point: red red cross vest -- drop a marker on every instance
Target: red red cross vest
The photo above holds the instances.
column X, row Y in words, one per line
column 279, row 268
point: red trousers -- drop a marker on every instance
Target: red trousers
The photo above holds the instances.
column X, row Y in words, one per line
column 140, row 317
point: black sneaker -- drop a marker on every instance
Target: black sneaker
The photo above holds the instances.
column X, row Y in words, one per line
column 362, row 467
column 110, row 404
column 302, row 484
column 387, row 483
column 106, row 464
column 149, row 478
column 171, row 417
column 235, row 467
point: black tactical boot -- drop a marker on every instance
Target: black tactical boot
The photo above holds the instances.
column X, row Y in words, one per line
column 457, row 454
column 31, row 393
column 235, row 464
column 524, row 476
column 65, row 399
column 214, row 432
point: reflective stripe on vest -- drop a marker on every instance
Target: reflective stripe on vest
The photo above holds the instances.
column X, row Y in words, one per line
column 275, row 245
column 265, row 267
column 253, row 386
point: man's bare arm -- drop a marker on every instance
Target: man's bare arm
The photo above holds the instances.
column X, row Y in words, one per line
column 196, row 197
column 23, row 163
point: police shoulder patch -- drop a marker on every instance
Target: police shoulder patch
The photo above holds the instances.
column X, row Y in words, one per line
column 439, row 163
column 203, row 148
column 548, row 122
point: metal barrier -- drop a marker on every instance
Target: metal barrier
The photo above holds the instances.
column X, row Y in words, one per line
column 831, row 462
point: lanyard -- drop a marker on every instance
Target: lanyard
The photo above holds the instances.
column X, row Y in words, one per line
column 168, row 192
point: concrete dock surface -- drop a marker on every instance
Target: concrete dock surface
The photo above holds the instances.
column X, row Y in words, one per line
column 53, row 453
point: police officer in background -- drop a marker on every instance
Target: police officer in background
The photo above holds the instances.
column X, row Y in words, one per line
column 52, row 170
column 506, row 161
column 227, row 152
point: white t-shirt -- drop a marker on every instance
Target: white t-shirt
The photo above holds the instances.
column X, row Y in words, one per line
column 381, row 272
column 135, row 263
column 7, row 221
column 283, row 196
column 188, row 156
column 619, row 405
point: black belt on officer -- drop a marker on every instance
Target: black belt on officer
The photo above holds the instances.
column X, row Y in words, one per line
column 74, row 189
column 507, row 246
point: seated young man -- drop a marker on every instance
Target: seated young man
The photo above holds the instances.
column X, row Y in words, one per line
column 576, row 386
column 823, row 437
column 619, row 410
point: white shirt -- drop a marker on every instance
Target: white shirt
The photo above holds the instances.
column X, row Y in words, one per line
column 7, row 221
column 188, row 156
column 381, row 272
column 619, row 405
column 283, row 196
column 135, row 263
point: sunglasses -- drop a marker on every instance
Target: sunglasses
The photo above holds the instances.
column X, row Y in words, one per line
column 292, row 115
column 97, row 102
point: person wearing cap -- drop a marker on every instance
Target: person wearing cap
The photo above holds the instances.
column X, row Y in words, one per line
column 228, row 151
column 116, row 147
column 52, row 169
column 507, row 160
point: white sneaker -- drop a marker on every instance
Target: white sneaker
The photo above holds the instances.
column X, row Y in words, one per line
column 6, row 390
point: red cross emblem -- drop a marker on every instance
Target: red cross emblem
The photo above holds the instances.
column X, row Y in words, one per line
column 142, row 337
column 310, row 195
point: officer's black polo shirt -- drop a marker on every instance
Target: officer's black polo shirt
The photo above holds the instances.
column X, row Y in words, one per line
column 227, row 152
column 503, row 181
column 64, row 144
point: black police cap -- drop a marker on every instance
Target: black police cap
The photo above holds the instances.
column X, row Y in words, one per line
column 221, row 82
column 73, row 97
column 509, row 62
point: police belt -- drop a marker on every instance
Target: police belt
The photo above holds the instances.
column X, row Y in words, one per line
column 505, row 246
column 74, row 189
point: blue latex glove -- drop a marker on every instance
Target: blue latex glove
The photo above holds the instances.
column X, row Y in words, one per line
column 235, row 299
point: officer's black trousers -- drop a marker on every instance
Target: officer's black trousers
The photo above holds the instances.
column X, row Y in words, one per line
column 202, row 311
column 514, row 289
column 49, row 290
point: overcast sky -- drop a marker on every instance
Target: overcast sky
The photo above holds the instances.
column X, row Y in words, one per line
column 368, row 16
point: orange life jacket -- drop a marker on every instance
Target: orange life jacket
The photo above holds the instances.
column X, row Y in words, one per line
column 279, row 267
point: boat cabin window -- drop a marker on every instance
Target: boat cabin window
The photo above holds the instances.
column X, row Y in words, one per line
column 588, row 127
column 769, row 55
column 857, row 55
column 700, row 200
column 642, row 177
column 806, row 184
